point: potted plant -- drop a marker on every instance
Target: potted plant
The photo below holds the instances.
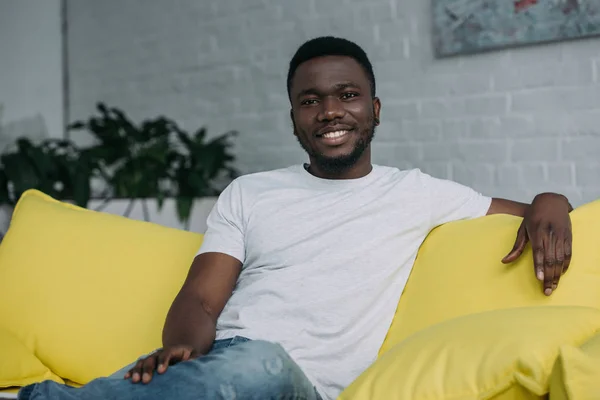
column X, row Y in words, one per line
column 154, row 164
column 156, row 161
column 53, row 166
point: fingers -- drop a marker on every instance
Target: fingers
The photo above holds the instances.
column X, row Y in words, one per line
column 136, row 372
column 164, row 358
column 519, row 246
column 169, row 357
column 148, row 368
column 549, row 261
column 538, row 257
column 567, row 252
column 556, row 253
column 184, row 354
column 548, row 226
column 559, row 249
column 144, row 369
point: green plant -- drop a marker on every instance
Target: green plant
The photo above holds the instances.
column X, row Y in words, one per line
column 156, row 159
column 53, row 166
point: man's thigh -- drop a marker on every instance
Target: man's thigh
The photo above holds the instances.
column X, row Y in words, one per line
column 236, row 366
column 252, row 370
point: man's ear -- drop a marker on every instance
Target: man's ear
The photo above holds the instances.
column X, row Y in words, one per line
column 376, row 109
column 293, row 123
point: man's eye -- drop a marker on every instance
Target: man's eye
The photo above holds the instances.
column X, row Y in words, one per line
column 308, row 102
column 349, row 95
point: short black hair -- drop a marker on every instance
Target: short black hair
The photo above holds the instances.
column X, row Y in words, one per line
column 330, row 46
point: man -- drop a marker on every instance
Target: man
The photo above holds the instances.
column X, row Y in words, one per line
column 301, row 268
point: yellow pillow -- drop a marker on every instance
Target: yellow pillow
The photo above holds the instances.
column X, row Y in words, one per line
column 459, row 271
column 502, row 354
column 576, row 374
column 88, row 292
column 18, row 365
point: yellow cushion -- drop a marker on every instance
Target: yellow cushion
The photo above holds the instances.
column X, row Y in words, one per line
column 88, row 292
column 459, row 271
column 18, row 365
column 576, row 374
column 502, row 354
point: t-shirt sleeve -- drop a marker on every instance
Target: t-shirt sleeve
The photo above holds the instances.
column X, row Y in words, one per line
column 451, row 201
column 225, row 225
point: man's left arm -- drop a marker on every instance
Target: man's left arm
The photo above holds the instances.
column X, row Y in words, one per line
column 547, row 225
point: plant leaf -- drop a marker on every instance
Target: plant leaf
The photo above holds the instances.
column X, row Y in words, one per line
column 124, row 122
column 77, row 125
column 185, row 139
column 160, row 200
column 81, row 181
column 184, row 208
column 21, row 173
column 200, row 135
column 102, row 108
column 4, row 194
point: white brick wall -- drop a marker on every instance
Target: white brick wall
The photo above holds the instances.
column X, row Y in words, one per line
column 509, row 123
column 30, row 70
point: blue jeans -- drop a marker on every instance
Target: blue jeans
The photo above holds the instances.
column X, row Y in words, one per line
column 234, row 368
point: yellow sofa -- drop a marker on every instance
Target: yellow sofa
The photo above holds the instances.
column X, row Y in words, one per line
column 83, row 293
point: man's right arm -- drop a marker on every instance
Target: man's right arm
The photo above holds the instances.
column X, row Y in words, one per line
column 192, row 318
column 190, row 326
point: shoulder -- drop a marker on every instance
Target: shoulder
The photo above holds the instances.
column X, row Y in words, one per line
column 417, row 177
column 420, row 183
column 410, row 177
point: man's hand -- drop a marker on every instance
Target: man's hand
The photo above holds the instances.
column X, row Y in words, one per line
column 547, row 225
column 159, row 362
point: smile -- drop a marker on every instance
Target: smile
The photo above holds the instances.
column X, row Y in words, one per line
column 335, row 134
column 335, row 138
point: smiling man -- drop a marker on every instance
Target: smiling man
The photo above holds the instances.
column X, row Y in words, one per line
column 334, row 112
column 301, row 268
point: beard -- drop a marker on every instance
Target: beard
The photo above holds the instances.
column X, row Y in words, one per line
column 340, row 164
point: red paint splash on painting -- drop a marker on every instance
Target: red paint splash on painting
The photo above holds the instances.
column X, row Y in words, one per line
column 522, row 5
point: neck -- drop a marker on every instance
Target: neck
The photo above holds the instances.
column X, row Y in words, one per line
column 362, row 168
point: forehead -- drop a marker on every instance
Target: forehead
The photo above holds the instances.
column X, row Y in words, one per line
column 327, row 71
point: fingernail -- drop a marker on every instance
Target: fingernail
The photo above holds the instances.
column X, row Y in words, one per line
column 548, row 292
column 540, row 275
column 554, row 286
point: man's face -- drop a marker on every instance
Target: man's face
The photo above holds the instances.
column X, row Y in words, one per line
column 333, row 111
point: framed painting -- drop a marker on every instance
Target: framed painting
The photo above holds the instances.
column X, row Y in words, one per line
column 471, row 26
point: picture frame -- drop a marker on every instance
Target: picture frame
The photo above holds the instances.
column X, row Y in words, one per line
column 473, row 26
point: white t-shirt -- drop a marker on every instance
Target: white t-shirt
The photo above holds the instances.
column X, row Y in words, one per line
column 325, row 261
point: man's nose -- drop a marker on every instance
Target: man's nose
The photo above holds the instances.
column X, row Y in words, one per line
column 331, row 108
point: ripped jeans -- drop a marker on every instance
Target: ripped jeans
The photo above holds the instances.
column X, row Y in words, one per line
column 235, row 368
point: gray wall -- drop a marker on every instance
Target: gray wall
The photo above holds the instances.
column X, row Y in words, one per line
column 31, row 93
column 509, row 123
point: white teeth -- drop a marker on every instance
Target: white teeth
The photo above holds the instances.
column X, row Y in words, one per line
column 335, row 134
